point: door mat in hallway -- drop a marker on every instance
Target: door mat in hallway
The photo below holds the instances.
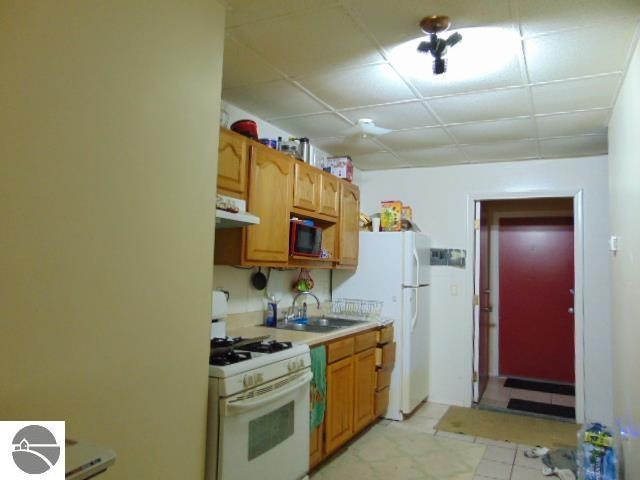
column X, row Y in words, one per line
column 541, row 408
column 509, row 427
column 540, row 386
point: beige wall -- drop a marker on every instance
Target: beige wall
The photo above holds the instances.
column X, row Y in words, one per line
column 108, row 131
column 624, row 184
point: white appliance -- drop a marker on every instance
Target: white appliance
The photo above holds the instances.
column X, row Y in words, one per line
column 219, row 311
column 395, row 268
column 258, row 417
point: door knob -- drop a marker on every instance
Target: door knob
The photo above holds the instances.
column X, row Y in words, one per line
column 572, row 291
column 571, row 310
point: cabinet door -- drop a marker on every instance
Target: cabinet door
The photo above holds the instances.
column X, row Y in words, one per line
column 270, row 184
column 349, row 223
column 329, row 195
column 232, row 164
column 339, row 414
column 364, row 369
column 306, row 187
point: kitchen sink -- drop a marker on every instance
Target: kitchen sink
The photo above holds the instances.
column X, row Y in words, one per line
column 320, row 324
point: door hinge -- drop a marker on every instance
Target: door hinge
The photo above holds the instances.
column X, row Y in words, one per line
column 476, row 299
column 476, row 224
column 475, row 377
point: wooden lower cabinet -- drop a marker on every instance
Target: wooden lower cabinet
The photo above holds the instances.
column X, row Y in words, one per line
column 316, row 447
column 339, row 414
column 353, row 397
column 364, row 379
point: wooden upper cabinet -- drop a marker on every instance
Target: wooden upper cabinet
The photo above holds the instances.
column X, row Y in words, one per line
column 233, row 162
column 329, row 195
column 364, row 379
column 349, row 224
column 306, row 187
column 270, row 190
column 339, row 414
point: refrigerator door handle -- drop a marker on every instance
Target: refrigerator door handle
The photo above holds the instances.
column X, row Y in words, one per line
column 414, row 320
column 417, row 260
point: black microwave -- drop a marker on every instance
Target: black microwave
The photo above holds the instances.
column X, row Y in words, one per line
column 305, row 239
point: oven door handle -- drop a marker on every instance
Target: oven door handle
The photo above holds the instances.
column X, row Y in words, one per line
column 244, row 405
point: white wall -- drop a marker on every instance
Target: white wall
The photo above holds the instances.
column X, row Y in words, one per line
column 439, row 197
column 624, row 173
column 244, row 298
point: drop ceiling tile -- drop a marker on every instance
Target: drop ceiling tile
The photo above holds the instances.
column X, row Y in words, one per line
column 576, row 123
column 574, row 146
column 369, row 85
column 240, row 12
column 485, row 58
column 324, row 125
column 482, row 106
column 377, row 161
column 434, row 156
column 502, row 151
column 582, row 94
column 575, row 53
column 416, row 138
column 394, row 22
column 272, row 99
column 498, row 131
column 241, row 66
column 395, row 116
column 300, row 44
column 346, row 145
column 540, row 16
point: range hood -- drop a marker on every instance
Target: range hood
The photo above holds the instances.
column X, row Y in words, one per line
column 226, row 219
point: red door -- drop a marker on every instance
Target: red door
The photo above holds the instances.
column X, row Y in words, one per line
column 536, row 293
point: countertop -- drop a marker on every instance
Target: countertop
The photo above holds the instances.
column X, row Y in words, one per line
column 310, row 338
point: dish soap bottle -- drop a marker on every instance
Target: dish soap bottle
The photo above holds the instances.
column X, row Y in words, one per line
column 272, row 312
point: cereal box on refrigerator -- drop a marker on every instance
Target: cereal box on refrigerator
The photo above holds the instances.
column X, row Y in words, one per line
column 391, row 216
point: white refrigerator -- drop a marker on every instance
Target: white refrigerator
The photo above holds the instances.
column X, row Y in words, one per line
column 394, row 268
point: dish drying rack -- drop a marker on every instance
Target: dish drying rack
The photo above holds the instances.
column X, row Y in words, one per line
column 355, row 309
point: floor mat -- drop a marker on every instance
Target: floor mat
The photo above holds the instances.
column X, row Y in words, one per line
column 509, row 427
column 541, row 408
column 386, row 452
column 540, row 386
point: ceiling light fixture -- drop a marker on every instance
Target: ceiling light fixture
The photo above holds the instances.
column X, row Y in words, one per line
column 437, row 46
column 364, row 128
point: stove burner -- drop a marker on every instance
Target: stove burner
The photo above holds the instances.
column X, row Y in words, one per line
column 267, row 347
column 228, row 358
column 224, row 342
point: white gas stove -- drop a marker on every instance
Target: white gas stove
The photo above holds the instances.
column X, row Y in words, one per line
column 258, row 422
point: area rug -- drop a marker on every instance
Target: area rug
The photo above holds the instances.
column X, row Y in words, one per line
column 541, row 408
column 509, row 428
column 392, row 452
column 560, row 389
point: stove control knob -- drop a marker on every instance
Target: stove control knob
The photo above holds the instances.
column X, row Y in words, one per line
column 291, row 365
column 300, row 363
column 247, row 380
column 259, row 378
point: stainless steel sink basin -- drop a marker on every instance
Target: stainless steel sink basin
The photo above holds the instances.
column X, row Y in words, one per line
column 320, row 324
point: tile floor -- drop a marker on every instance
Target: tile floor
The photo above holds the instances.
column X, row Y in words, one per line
column 414, row 449
column 497, row 395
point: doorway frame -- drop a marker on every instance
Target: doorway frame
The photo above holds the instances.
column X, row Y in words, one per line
column 578, row 258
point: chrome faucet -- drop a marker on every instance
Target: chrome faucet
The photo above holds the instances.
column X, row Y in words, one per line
column 298, row 295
